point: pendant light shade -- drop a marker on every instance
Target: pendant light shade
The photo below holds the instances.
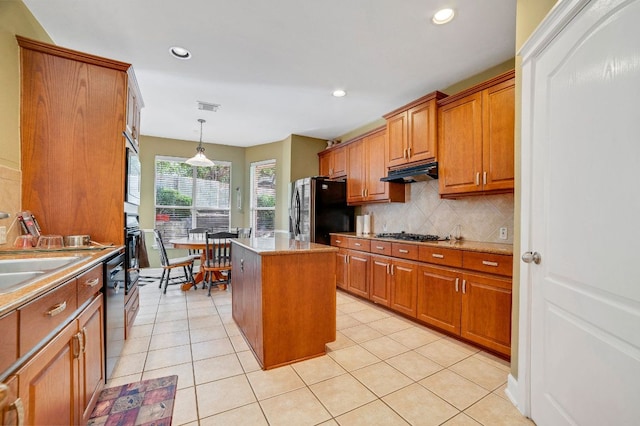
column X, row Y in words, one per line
column 200, row 160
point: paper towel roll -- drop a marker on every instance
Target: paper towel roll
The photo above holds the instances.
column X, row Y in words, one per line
column 366, row 224
column 359, row 225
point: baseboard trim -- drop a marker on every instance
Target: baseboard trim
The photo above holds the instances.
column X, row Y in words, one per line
column 512, row 391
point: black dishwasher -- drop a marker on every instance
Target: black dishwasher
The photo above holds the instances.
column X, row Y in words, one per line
column 114, row 276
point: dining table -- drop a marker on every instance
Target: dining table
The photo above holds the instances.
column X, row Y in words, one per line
column 199, row 244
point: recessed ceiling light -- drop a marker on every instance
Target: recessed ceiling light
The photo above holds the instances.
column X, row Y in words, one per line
column 180, row 52
column 443, row 16
column 339, row 93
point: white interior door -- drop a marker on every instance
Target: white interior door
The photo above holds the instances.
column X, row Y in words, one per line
column 581, row 193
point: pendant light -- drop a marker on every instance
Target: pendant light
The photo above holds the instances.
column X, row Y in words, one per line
column 200, row 159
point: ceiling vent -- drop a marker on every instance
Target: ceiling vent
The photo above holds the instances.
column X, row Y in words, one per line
column 206, row 106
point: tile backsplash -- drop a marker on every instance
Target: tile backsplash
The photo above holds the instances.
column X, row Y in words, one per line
column 424, row 212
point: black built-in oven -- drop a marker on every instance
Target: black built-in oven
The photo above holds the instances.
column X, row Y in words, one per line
column 133, row 235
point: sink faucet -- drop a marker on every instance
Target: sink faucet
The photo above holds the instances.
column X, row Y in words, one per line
column 4, row 215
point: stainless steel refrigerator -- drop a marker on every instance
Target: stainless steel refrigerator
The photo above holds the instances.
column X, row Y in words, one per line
column 318, row 206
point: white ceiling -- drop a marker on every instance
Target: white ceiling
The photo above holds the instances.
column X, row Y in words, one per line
column 272, row 65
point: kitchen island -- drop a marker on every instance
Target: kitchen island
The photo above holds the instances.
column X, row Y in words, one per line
column 284, row 298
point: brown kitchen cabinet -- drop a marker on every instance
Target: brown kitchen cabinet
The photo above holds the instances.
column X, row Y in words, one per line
column 476, row 139
column 404, row 287
column 342, row 271
column 284, row 319
column 380, row 288
column 412, row 132
column 366, row 164
column 358, row 273
column 333, row 162
column 476, row 307
column 73, row 115
column 63, row 380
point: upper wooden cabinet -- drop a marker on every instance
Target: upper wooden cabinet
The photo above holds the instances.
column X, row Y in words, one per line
column 366, row 164
column 476, row 139
column 333, row 162
column 73, row 115
column 134, row 106
column 412, row 131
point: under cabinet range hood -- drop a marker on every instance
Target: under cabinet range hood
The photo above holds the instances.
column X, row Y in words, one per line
column 422, row 172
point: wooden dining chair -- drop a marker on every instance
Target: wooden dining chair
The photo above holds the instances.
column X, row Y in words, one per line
column 186, row 263
column 217, row 261
column 196, row 234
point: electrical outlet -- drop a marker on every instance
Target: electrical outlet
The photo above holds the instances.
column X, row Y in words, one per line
column 3, row 235
column 503, row 233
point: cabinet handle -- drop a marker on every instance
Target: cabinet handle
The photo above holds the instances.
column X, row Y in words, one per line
column 55, row 310
column 338, row 241
column 393, row 269
column 357, row 244
column 346, row 259
column 379, row 248
column 366, row 192
column 404, row 153
column 19, row 408
column 437, row 255
column 477, row 178
column 457, row 282
column 484, row 178
column 488, row 263
column 403, row 251
column 242, row 265
column 464, row 286
column 330, row 171
column 409, row 152
column 84, row 339
column 76, row 345
column 387, row 265
column 91, row 283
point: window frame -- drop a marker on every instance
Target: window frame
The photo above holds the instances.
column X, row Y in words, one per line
column 253, row 208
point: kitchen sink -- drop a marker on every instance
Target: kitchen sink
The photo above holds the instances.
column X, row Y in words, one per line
column 16, row 273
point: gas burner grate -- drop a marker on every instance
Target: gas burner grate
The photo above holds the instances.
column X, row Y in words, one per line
column 408, row 236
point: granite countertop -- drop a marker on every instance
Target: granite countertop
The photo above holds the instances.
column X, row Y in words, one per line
column 91, row 257
column 477, row 246
column 281, row 245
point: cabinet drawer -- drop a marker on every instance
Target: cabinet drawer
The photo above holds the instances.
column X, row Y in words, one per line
column 405, row 251
column 40, row 317
column 359, row 244
column 339, row 241
column 441, row 256
column 89, row 284
column 499, row 264
column 381, row 247
column 9, row 346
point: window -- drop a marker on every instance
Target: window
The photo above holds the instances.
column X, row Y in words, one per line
column 191, row 197
column 263, row 198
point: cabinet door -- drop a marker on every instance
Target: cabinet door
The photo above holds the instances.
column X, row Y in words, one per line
column 356, row 172
column 486, row 311
column 358, row 265
column 324, row 164
column 91, row 357
column 460, row 145
column 397, row 139
column 339, row 162
column 498, row 116
column 48, row 384
column 9, row 407
column 376, row 167
column 404, row 287
column 341, row 269
column 422, row 132
column 380, row 280
column 439, row 298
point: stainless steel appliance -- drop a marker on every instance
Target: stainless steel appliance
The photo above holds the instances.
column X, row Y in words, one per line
column 410, row 237
column 114, row 292
column 318, row 206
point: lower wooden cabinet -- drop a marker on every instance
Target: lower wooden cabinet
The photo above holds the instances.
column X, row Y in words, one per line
column 380, row 289
column 486, row 311
column 358, row 273
column 404, row 287
column 439, row 301
column 62, row 381
column 474, row 306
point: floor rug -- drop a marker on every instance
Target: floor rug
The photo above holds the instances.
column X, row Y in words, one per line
column 149, row 402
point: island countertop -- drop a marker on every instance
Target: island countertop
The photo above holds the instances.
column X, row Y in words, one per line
column 281, row 245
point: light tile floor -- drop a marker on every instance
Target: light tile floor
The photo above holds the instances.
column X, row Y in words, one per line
column 381, row 370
